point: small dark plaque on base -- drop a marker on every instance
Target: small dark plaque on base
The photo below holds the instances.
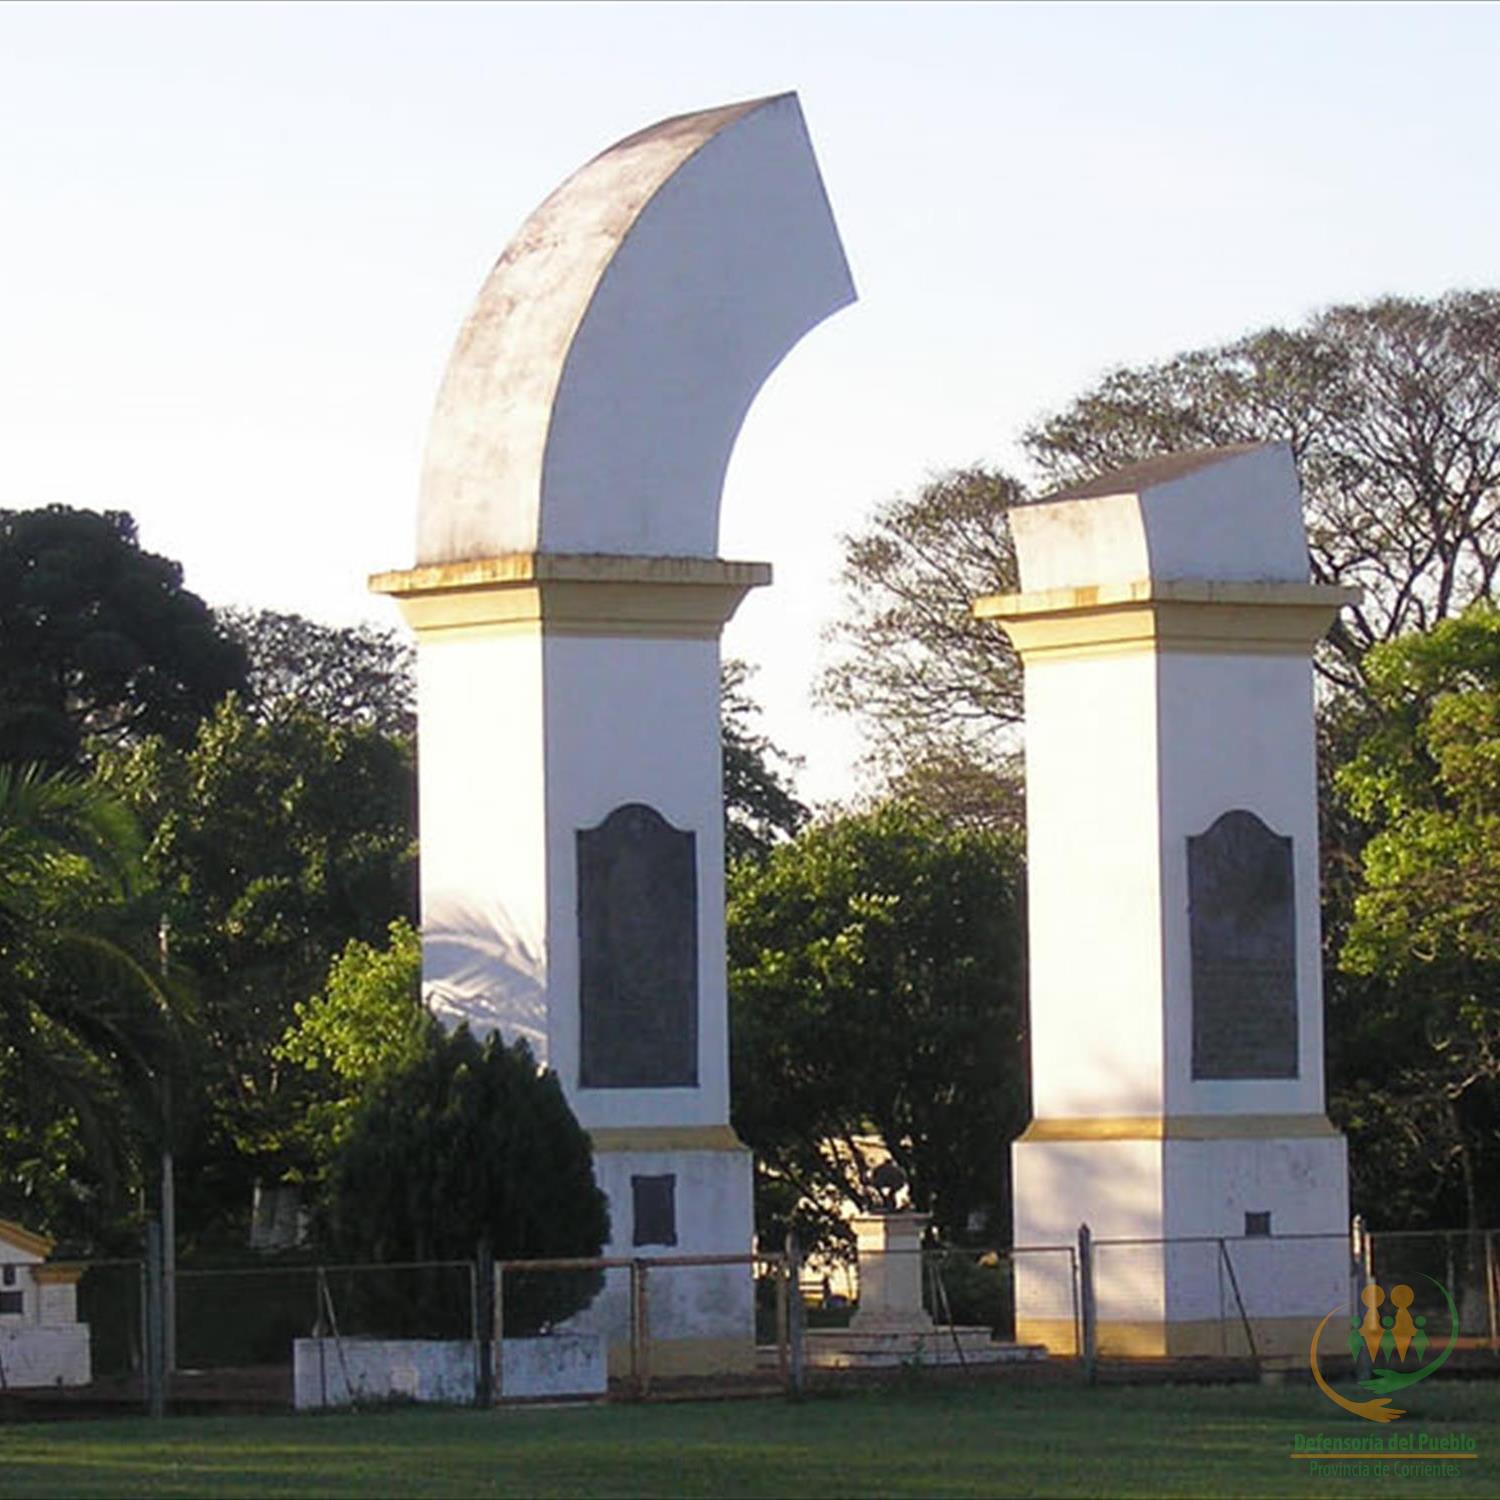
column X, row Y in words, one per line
column 654, row 1209
column 1243, row 926
column 637, row 952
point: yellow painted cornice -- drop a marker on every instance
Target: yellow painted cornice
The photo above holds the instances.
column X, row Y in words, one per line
column 57, row 1275
column 1255, row 619
column 1178, row 1128
column 611, row 1138
column 574, row 594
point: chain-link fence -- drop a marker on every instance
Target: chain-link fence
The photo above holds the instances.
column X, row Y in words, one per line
column 1220, row 1296
column 1462, row 1261
column 658, row 1321
column 291, row 1332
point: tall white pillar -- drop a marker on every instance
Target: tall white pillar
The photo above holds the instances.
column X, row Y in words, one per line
column 1166, row 629
column 567, row 603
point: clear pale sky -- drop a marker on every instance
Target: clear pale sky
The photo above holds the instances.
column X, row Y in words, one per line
column 236, row 244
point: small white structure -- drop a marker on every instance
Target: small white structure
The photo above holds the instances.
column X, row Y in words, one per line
column 567, row 603
column 41, row 1340
column 330, row 1372
column 891, row 1326
column 1166, row 628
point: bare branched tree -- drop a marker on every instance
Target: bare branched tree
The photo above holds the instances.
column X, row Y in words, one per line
column 936, row 686
column 1393, row 412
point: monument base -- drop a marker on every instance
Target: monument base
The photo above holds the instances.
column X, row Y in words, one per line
column 675, row 1193
column 858, row 1349
column 1209, row 1338
column 669, row 1359
column 1199, row 1225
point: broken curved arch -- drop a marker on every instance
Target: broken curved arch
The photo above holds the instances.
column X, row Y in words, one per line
column 596, row 390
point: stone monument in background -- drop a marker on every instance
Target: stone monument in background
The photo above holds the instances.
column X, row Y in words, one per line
column 1166, row 627
column 567, row 603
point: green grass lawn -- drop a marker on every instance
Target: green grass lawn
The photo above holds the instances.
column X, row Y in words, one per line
column 991, row 1440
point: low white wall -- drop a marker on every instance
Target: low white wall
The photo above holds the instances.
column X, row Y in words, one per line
column 331, row 1372
column 32, row 1356
column 562, row 1364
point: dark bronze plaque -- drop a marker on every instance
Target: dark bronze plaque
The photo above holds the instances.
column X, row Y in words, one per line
column 654, row 1201
column 637, row 952
column 1243, row 926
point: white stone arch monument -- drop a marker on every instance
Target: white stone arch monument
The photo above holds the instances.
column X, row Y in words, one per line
column 1166, row 628
column 567, row 602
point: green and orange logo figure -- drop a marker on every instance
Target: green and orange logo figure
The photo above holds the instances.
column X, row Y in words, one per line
column 1392, row 1337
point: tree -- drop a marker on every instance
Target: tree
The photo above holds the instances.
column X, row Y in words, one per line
column 87, row 1033
column 1427, row 921
column 355, row 676
column 939, row 688
column 760, row 805
column 367, row 1024
column 99, row 639
column 473, row 1143
column 1392, row 410
column 875, row 990
column 274, row 843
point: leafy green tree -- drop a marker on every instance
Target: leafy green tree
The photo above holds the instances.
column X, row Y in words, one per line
column 760, row 804
column 275, row 843
column 87, row 1031
column 355, row 676
column 367, row 1024
column 1427, row 779
column 99, row 639
column 875, row 990
column 473, row 1143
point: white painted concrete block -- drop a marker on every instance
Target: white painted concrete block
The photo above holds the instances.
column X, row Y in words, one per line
column 31, row 1355
column 340, row 1372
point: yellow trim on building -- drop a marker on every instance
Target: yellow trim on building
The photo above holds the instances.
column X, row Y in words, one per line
column 687, row 598
column 666, row 1138
column 669, row 1358
column 1206, row 1338
column 1178, row 1128
column 57, row 1275
column 25, row 1239
column 1256, row 619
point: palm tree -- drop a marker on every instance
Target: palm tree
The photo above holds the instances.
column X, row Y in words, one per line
column 85, row 1018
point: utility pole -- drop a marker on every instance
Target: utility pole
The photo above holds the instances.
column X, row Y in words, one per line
column 168, row 1193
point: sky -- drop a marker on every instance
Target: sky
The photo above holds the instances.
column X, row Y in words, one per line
column 237, row 242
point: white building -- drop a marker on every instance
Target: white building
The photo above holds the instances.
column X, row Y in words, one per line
column 41, row 1340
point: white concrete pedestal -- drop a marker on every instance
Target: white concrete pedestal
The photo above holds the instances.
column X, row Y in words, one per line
column 890, row 1274
column 891, row 1327
column 1176, row 1015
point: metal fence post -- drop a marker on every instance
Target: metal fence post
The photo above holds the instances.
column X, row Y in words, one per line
column 482, row 1317
column 796, row 1315
column 498, row 1333
column 783, row 1325
column 1089, row 1350
column 155, row 1330
column 1492, row 1288
column 1239, row 1302
column 640, row 1269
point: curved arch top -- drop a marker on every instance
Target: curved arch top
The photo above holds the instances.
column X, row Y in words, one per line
column 597, row 388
